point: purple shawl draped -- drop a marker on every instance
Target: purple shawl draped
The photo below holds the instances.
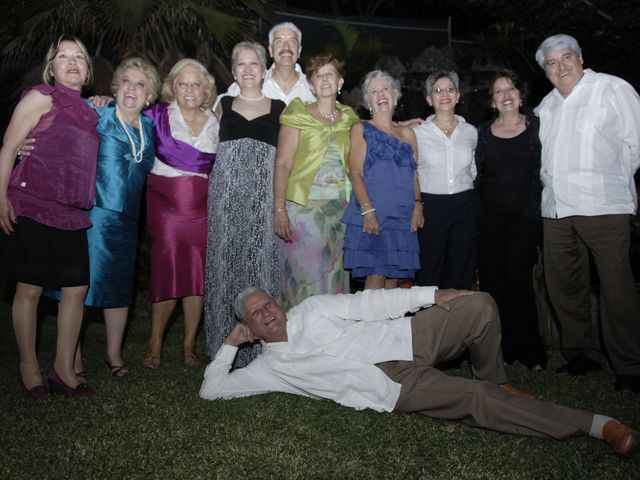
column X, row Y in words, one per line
column 176, row 153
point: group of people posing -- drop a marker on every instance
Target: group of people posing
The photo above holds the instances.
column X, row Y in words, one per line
column 277, row 184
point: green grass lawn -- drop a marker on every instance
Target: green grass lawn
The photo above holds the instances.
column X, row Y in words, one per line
column 152, row 424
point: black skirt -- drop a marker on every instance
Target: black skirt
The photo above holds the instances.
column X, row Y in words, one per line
column 45, row 256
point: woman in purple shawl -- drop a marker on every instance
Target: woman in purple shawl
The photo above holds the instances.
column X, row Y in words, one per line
column 186, row 142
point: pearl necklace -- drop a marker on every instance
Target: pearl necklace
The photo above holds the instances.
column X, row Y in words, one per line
column 137, row 155
column 251, row 99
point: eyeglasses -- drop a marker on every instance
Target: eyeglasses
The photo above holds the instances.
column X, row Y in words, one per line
column 438, row 90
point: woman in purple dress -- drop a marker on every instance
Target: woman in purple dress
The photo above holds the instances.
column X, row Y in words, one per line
column 42, row 211
column 186, row 142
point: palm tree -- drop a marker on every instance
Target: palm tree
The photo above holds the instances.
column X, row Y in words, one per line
column 160, row 30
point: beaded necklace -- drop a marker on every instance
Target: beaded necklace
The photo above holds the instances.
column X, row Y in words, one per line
column 137, row 155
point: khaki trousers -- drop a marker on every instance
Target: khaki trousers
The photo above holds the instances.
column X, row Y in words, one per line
column 473, row 324
column 567, row 244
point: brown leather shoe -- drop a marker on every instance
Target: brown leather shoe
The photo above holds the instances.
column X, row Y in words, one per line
column 516, row 391
column 623, row 440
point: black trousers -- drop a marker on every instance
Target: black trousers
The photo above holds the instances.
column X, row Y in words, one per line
column 448, row 240
column 506, row 256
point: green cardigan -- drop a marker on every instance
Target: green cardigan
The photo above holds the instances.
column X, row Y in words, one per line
column 312, row 146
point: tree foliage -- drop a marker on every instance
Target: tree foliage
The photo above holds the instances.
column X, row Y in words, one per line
column 118, row 28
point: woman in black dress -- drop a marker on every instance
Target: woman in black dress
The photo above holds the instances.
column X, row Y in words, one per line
column 508, row 184
column 242, row 248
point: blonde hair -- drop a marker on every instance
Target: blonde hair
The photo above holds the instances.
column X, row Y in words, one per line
column 259, row 50
column 47, row 73
column 209, row 83
column 144, row 67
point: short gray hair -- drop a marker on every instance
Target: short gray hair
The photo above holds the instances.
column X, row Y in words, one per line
column 241, row 298
column 287, row 25
column 435, row 76
column 261, row 53
column 369, row 77
column 555, row 43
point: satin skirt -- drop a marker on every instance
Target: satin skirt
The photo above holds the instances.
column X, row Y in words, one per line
column 177, row 221
column 112, row 255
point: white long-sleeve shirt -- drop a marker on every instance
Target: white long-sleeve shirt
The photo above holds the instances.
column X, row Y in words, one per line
column 272, row 90
column 334, row 342
column 446, row 165
column 590, row 148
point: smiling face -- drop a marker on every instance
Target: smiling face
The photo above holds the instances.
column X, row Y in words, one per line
column 444, row 95
column 265, row 317
column 285, row 48
column 381, row 96
column 189, row 89
column 326, row 81
column 134, row 91
column 248, row 70
column 506, row 97
column 69, row 66
column 564, row 69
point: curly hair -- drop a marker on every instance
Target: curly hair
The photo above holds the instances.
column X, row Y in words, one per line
column 144, row 67
column 209, row 83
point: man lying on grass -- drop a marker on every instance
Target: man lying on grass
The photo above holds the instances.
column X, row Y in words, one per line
column 361, row 351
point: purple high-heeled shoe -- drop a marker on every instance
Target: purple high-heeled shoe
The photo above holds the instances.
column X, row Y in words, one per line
column 36, row 393
column 56, row 385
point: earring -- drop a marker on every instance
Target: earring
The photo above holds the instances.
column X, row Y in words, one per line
column 520, row 103
column 339, row 91
column 370, row 111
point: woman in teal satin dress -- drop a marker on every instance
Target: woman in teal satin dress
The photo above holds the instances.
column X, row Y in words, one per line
column 125, row 157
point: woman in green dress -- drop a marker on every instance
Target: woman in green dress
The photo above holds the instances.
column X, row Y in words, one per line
column 311, row 185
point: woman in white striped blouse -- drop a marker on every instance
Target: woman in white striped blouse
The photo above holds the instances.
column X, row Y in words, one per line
column 446, row 169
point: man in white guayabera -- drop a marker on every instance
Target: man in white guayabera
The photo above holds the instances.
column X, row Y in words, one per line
column 590, row 135
column 361, row 351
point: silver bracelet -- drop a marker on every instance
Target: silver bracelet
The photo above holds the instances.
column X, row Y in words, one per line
column 367, row 211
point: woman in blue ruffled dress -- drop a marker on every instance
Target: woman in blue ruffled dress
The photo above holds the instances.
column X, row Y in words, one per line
column 385, row 211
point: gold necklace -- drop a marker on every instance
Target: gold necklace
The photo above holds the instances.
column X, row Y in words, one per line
column 331, row 117
column 448, row 130
column 512, row 125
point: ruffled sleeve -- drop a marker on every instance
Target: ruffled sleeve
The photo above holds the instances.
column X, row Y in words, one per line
column 387, row 147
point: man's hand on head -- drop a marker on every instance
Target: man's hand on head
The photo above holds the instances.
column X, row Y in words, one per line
column 239, row 335
column 443, row 297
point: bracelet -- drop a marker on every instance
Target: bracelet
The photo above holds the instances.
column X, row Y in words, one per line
column 278, row 210
column 418, row 200
column 367, row 211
